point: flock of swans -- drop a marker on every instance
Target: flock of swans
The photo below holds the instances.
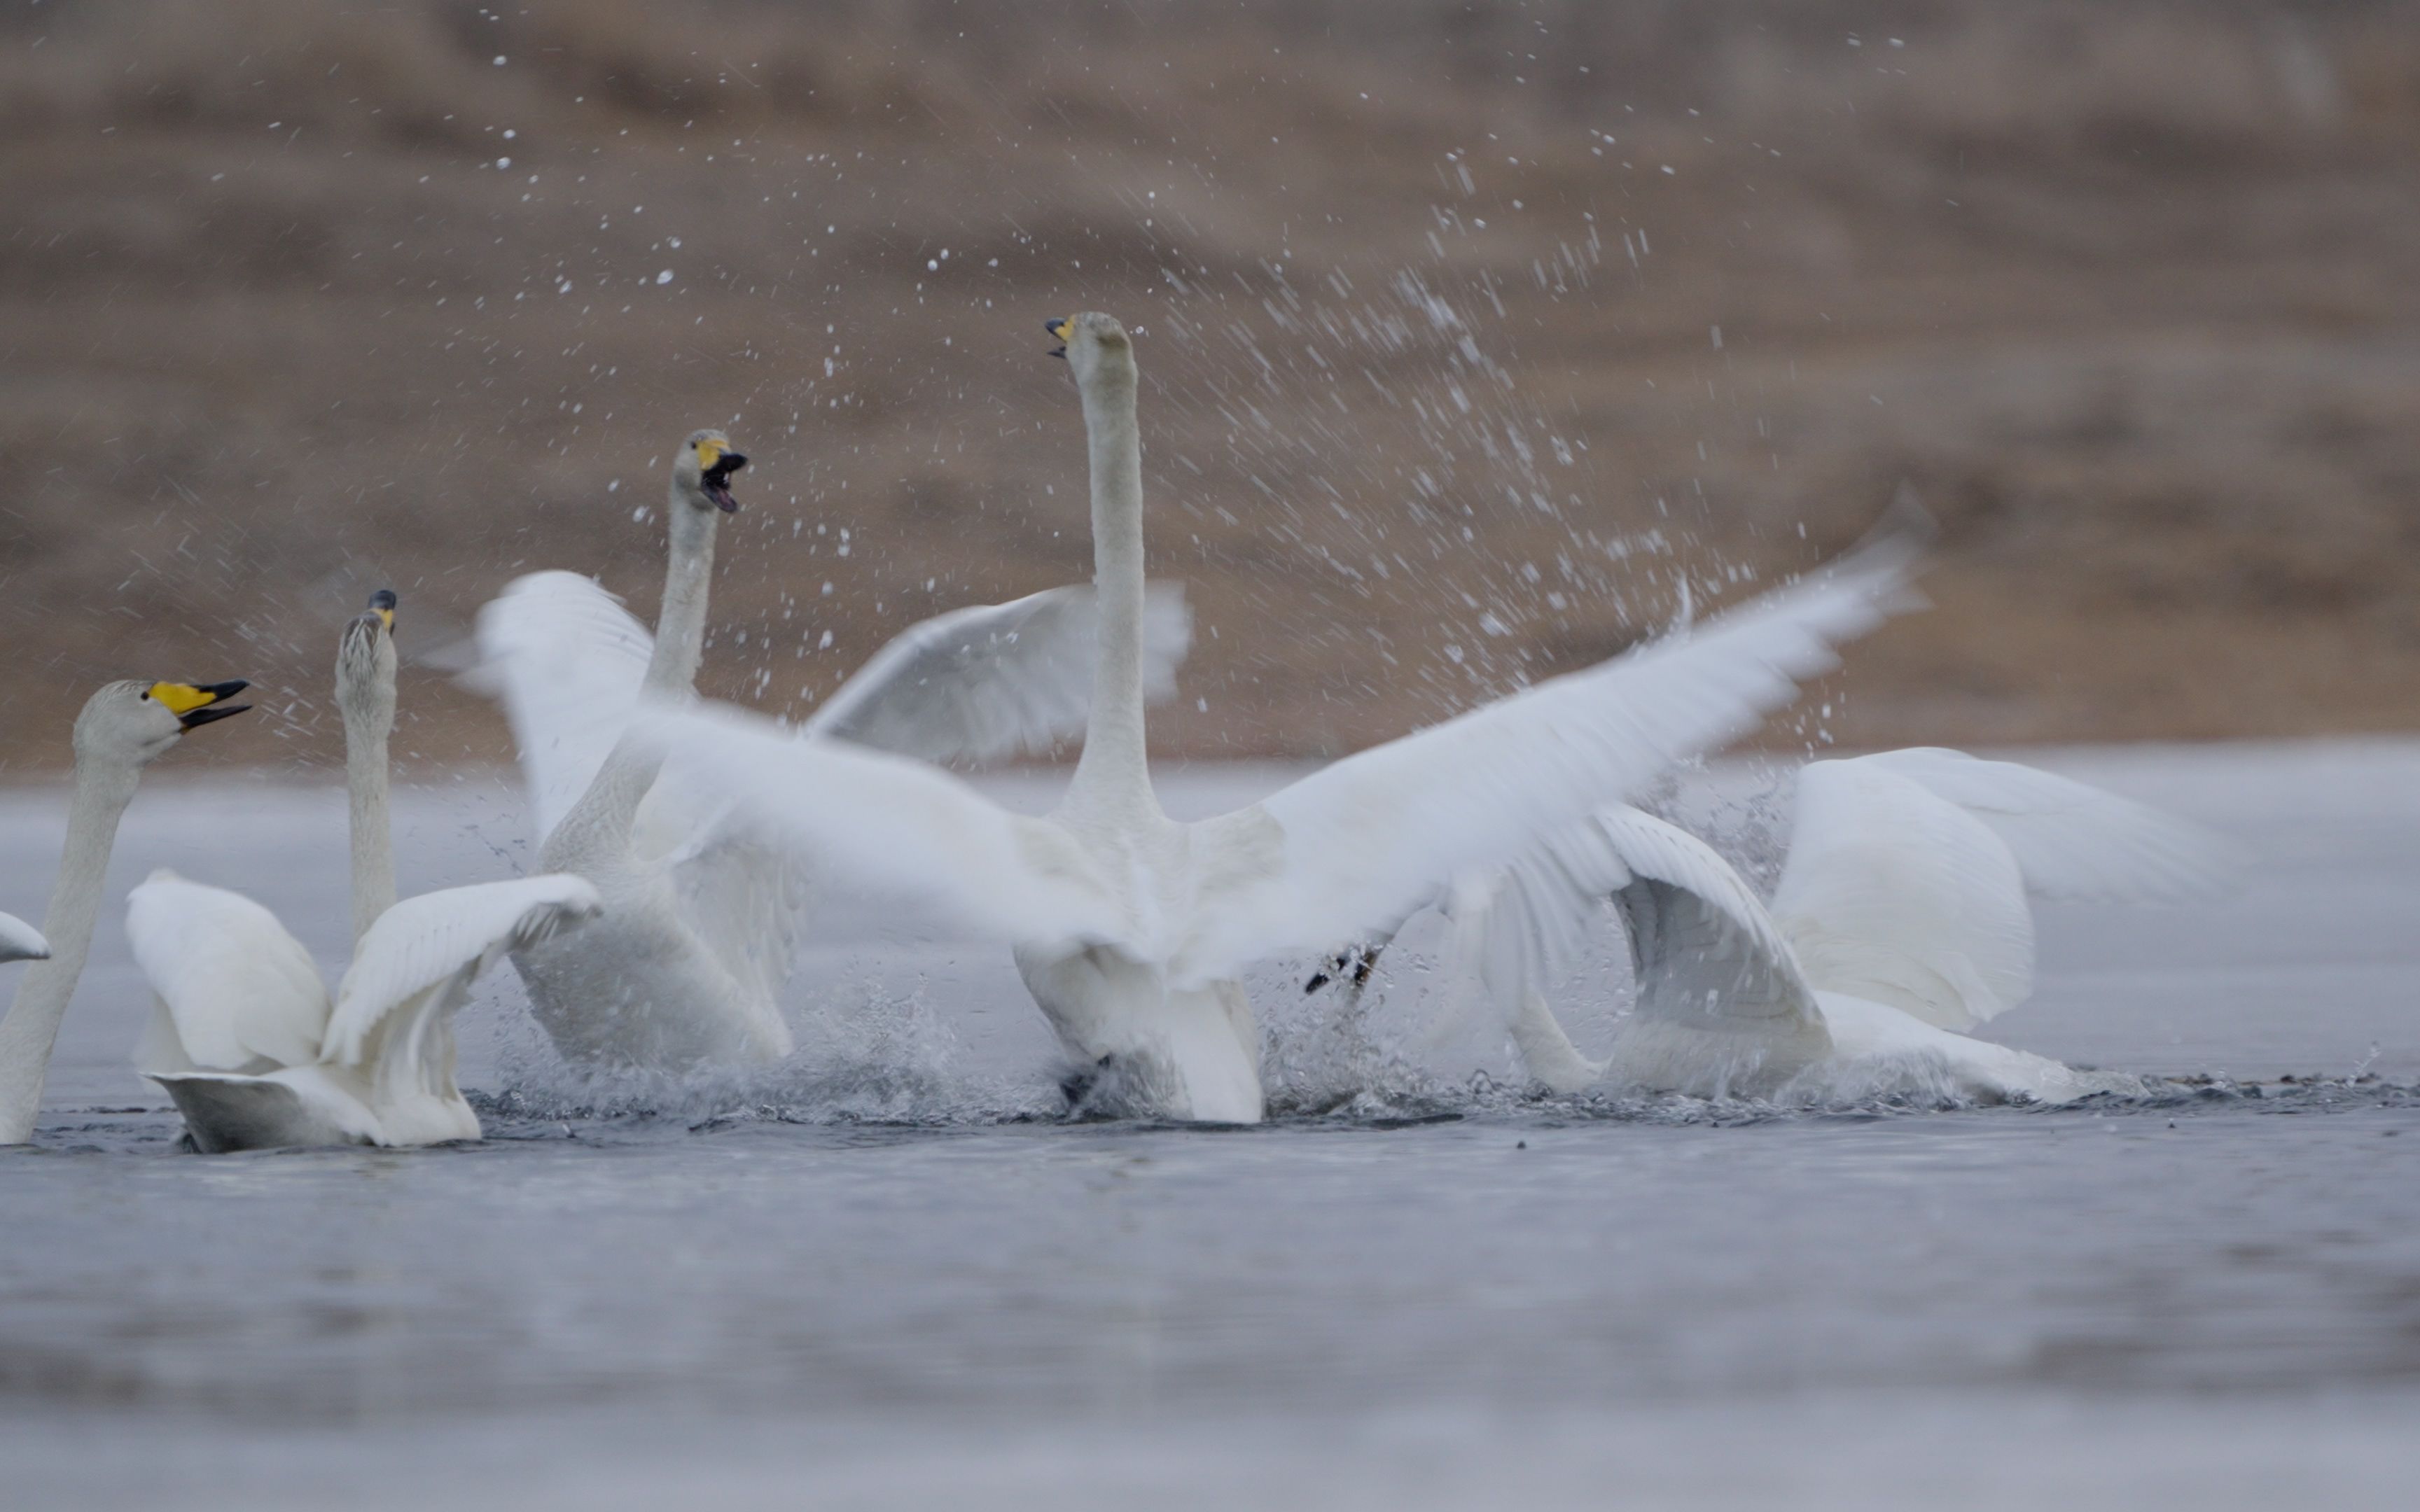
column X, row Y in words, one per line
column 680, row 844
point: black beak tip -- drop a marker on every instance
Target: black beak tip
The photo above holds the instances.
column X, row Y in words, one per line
column 210, row 713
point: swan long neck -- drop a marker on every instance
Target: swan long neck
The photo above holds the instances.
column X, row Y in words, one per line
column 1115, row 759
column 102, row 791
column 596, row 835
column 680, row 625
column 366, row 696
column 597, row 832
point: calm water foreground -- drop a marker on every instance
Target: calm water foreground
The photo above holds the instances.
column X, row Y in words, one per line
column 880, row 1276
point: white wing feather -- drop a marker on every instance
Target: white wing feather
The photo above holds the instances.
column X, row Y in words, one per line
column 241, row 993
column 1705, row 952
column 1350, row 851
column 746, row 899
column 1702, row 943
column 423, row 942
column 2073, row 842
column 897, row 826
column 1521, row 927
column 1909, row 871
column 21, row 941
column 1362, row 844
column 975, row 683
column 1896, row 895
column 995, row 679
column 566, row 661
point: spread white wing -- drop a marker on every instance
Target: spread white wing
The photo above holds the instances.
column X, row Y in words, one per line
column 996, row 679
column 975, row 683
column 1352, row 849
column 1908, row 874
column 885, row 825
column 21, row 941
column 566, row 661
column 2075, row 842
column 240, row 993
column 1704, row 951
column 424, row 948
column 745, row 896
column 1360, row 845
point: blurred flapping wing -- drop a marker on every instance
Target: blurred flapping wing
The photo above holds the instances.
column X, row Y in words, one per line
column 1355, row 848
column 437, row 939
column 878, row 823
column 996, row 679
column 566, row 660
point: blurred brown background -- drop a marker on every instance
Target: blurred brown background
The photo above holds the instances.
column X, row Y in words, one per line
column 1477, row 337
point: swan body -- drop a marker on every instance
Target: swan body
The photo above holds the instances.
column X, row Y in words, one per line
column 122, row 729
column 1142, row 1045
column 256, row 1056
column 687, row 967
column 1900, row 920
column 1132, row 929
column 243, row 1034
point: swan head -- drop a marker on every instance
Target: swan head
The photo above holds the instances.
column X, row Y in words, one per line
column 701, row 471
column 129, row 723
column 365, row 654
column 373, row 624
column 1094, row 345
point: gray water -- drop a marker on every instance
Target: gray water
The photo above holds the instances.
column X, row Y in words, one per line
column 884, row 1276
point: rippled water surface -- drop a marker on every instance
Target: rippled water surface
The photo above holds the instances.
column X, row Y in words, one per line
column 884, row 1276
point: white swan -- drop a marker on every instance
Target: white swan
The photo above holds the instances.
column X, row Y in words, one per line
column 1131, row 929
column 122, row 729
column 244, row 994
column 687, row 969
column 1901, row 919
column 244, row 1036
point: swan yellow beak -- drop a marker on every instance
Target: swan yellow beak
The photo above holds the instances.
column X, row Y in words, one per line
column 199, row 703
column 382, row 605
column 1061, row 329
